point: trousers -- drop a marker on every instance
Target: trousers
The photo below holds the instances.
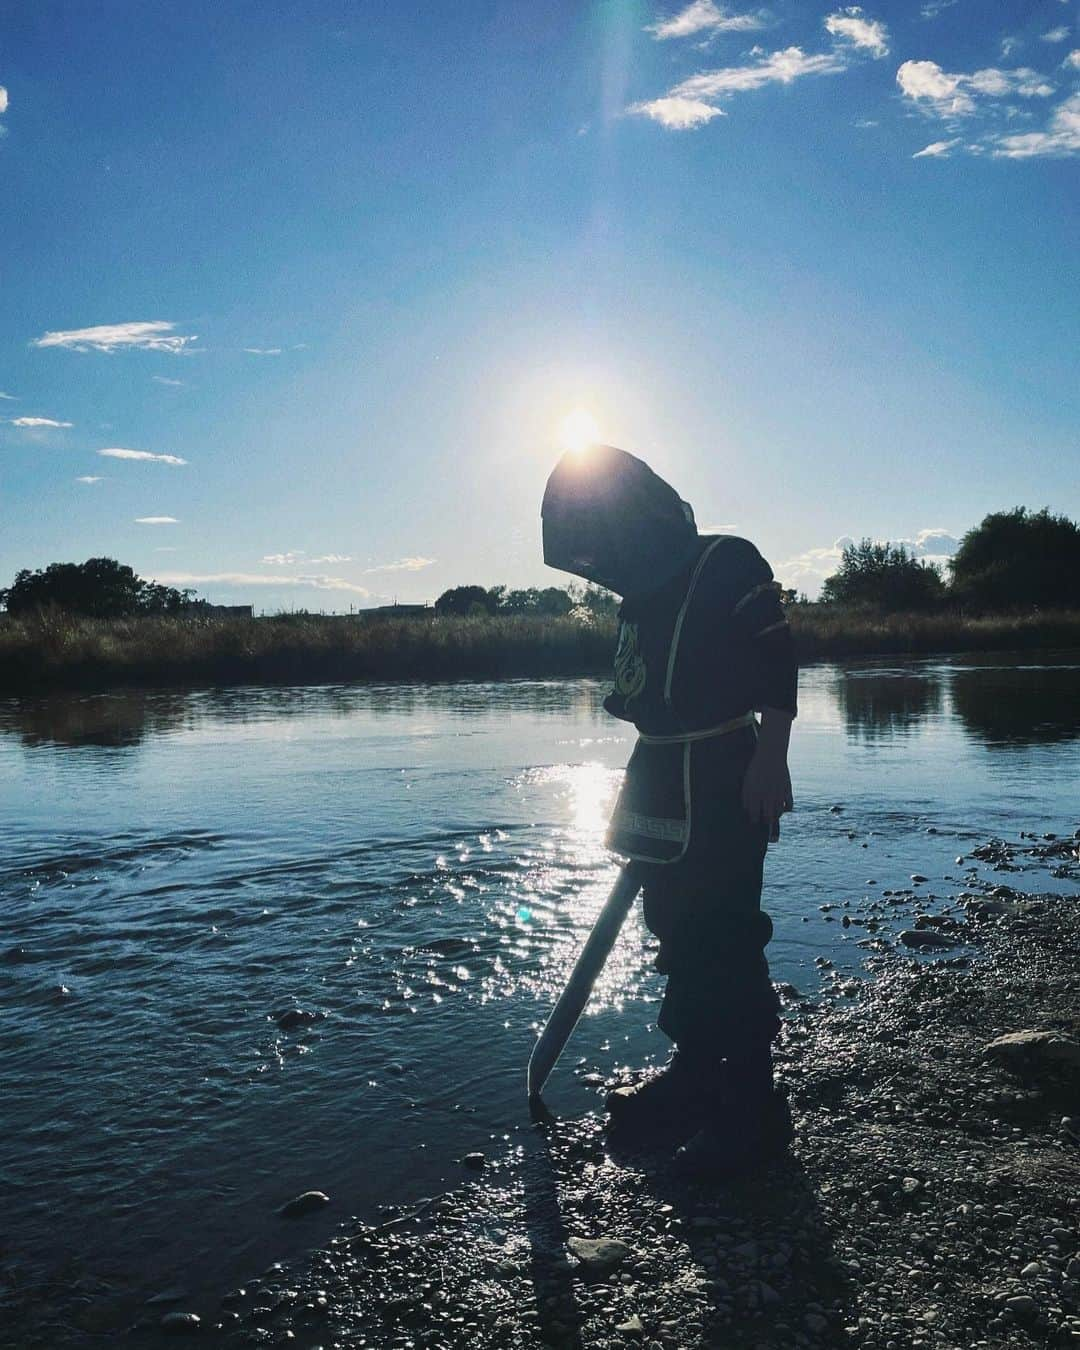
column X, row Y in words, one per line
column 719, row 1002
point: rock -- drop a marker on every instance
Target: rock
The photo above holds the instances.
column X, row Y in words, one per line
column 910, row 1185
column 925, row 937
column 1025, row 1048
column 1031, row 1271
column 307, row 1203
column 917, row 877
column 1022, row 1306
column 599, row 1256
column 475, row 1160
column 181, row 1324
column 295, row 1017
column 631, row 1327
column 816, row 1324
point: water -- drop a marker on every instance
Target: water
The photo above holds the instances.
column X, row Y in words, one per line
column 418, row 866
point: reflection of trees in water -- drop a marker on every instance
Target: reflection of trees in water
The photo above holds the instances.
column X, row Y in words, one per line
column 884, row 703
column 127, row 717
column 1018, row 706
column 115, row 721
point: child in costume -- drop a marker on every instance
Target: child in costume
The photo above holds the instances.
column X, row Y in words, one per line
column 703, row 645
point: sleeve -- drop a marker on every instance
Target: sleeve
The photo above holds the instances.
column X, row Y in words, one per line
column 758, row 617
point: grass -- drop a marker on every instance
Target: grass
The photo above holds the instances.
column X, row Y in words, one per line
column 57, row 651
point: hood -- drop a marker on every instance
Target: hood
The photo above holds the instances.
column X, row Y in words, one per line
column 609, row 519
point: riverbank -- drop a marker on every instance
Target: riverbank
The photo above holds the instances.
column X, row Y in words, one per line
column 932, row 1200
column 57, row 652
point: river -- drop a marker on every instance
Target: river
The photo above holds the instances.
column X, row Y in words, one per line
column 417, row 866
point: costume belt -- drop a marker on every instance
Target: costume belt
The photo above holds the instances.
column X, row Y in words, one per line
column 723, row 729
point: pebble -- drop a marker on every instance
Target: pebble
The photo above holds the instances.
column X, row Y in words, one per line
column 631, row 1327
column 181, row 1323
column 1031, row 1271
column 1022, row 1306
column 306, row 1203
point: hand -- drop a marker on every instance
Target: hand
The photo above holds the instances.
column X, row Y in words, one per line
column 766, row 790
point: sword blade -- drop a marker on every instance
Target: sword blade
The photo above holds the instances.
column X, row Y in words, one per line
column 571, row 1003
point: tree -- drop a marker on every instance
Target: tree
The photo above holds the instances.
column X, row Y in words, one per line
column 468, row 600
column 885, row 576
column 550, row 600
column 99, row 588
column 1013, row 558
column 594, row 601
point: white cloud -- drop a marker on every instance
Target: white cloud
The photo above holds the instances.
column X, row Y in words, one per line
column 296, row 556
column 37, row 422
column 851, row 25
column 936, row 149
column 677, row 114
column 245, row 579
column 705, row 16
column 156, row 520
column 1071, row 62
column 153, row 336
column 780, row 67
column 263, row 351
column 947, row 94
column 1059, row 34
column 163, row 379
column 1060, row 140
column 90, row 478
column 931, row 543
column 3, row 99
column 145, row 456
column 403, row 565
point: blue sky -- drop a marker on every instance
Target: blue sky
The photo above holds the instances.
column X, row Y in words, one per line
column 332, row 275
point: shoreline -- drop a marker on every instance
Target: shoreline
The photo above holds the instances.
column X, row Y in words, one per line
column 58, row 654
column 933, row 1196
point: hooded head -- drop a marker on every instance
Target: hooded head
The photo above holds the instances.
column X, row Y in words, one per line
column 608, row 518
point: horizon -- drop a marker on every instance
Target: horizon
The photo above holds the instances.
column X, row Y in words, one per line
column 297, row 312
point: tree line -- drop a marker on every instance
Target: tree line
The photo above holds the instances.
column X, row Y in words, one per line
column 1012, row 560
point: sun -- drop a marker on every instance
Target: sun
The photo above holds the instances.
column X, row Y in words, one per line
column 578, row 430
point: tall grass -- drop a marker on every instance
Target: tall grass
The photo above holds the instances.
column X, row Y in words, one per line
column 53, row 650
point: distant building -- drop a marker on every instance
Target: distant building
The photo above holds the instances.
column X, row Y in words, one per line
column 397, row 612
column 230, row 611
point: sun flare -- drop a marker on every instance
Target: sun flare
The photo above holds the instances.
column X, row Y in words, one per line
column 578, row 431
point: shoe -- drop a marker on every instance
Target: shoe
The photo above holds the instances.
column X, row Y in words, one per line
column 746, row 1139
column 669, row 1106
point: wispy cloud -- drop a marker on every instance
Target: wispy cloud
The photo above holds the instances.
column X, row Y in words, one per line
column 295, row 557
column 705, row 16
column 154, row 335
column 90, row 478
column 937, row 149
column 852, row 25
column 263, row 351
column 932, row 8
column 402, row 565
column 164, row 379
column 1059, row 34
column 3, row 100
column 37, row 422
column 156, row 520
column 1010, row 44
column 948, row 94
column 695, row 101
column 10, row 397
column 316, row 582
column 1071, row 62
column 1060, row 139
column 144, row 456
